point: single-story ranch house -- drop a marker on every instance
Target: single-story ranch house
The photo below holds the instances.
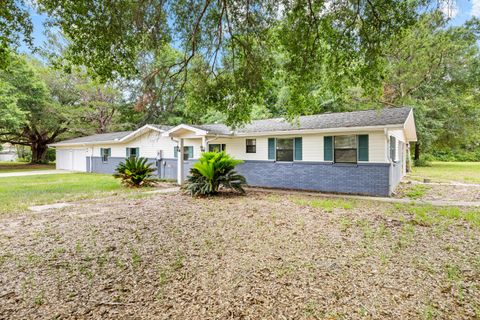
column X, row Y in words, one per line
column 361, row 152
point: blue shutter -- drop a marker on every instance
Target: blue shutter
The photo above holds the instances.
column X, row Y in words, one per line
column 190, row 152
column 175, row 152
column 271, row 148
column 363, row 147
column 137, row 152
column 328, row 148
column 298, row 149
column 128, row 153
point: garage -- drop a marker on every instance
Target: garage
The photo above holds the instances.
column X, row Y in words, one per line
column 72, row 159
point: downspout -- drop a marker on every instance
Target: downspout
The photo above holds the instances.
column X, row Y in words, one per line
column 390, row 168
column 91, row 161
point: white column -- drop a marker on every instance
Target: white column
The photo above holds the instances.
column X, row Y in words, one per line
column 180, row 153
column 204, row 144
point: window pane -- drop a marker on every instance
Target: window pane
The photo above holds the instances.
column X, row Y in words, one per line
column 345, row 142
column 284, row 149
column 346, row 155
column 251, row 145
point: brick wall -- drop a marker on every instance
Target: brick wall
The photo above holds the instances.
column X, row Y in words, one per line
column 361, row 178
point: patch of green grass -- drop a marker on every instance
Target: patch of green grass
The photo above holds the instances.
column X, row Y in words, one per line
column 428, row 215
column 326, row 204
column 468, row 172
column 417, row 191
column 18, row 193
column 23, row 166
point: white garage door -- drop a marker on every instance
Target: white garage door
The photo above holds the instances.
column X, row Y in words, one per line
column 72, row 159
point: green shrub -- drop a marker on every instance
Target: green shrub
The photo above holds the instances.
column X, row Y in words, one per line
column 135, row 172
column 214, row 169
column 421, row 162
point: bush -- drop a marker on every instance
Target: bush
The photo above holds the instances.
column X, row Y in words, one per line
column 422, row 162
column 455, row 155
column 135, row 172
column 212, row 171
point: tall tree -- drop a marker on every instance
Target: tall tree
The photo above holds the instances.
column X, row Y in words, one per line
column 323, row 42
column 45, row 119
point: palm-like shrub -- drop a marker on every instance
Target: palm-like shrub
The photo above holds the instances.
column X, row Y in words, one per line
column 214, row 169
column 135, row 172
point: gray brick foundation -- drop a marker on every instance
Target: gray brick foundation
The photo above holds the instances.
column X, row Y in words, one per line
column 362, row 178
column 99, row 166
column 377, row 179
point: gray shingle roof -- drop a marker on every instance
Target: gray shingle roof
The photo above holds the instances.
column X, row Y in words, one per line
column 366, row 118
column 97, row 138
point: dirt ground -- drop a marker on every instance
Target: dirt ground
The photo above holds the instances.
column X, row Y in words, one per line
column 469, row 193
column 263, row 255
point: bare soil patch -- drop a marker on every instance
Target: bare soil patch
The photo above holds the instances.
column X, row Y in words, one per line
column 264, row 255
column 438, row 192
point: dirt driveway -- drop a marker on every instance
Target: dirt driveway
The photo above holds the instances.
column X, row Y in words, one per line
column 264, row 255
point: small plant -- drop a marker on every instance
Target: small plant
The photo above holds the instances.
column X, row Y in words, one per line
column 417, row 191
column 135, row 172
column 212, row 171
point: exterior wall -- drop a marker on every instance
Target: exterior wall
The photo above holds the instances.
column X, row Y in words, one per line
column 8, row 156
column 398, row 169
column 168, row 168
column 98, row 166
column 149, row 144
column 312, row 146
column 399, row 134
column 365, row 178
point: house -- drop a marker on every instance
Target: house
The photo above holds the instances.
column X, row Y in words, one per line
column 361, row 152
column 8, row 152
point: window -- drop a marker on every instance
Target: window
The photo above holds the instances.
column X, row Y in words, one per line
column 216, row 147
column 105, row 153
column 393, row 148
column 345, row 149
column 133, row 152
column 251, row 145
column 187, row 152
column 284, row 149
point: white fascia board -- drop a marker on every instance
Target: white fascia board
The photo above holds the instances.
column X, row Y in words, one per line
column 198, row 132
column 409, row 127
column 139, row 131
column 312, row 131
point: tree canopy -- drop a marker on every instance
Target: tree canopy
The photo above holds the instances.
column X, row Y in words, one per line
column 164, row 61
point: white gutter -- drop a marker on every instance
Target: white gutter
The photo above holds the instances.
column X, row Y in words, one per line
column 310, row 131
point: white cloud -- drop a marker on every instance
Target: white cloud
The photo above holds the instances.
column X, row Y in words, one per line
column 475, row 11
column 450, row 8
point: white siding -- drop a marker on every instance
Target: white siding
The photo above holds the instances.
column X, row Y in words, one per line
column 149, row 144
column 312, row 146
column 398, row 133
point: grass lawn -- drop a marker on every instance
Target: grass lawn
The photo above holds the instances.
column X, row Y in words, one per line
column 18, row 193
column 23, row 166
column 259, row 256
column 468, row 172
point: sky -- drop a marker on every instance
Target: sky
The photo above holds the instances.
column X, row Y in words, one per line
column 459, row 11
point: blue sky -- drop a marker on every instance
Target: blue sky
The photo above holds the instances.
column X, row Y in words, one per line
column 459, row 11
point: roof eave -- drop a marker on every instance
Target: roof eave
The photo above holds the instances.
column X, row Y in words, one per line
column 312, row 131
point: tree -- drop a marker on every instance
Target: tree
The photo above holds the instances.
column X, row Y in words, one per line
column 15, row 26
column 44, row 118
column 322, row 43
column 434, row 69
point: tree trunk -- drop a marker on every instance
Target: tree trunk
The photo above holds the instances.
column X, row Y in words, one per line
column 39, row 152
column 417, row 151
